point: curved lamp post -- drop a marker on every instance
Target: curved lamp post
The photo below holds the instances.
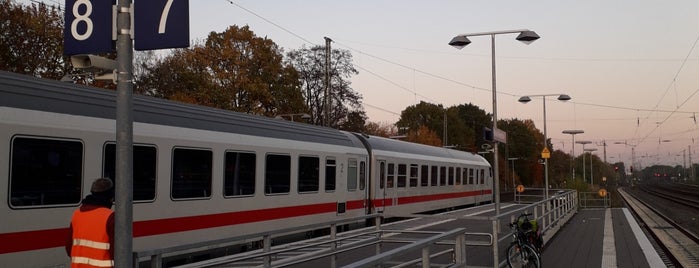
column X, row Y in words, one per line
column 592, row 175
column 526, row 99
column 459, row 42
column 573, row 132
column 583, row 144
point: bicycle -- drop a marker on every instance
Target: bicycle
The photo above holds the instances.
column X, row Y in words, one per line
column 525, row 249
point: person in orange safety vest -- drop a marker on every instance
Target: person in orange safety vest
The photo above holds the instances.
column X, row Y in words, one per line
column 91, row 239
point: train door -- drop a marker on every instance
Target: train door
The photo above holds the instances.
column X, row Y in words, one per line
column 380, row 193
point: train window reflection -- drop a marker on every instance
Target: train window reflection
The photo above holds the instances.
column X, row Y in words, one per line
column 413, row 175
column 442, row 176
column 352, row 174
column 362, row 175
column 309, row 177
column 330, row 167
column 191, row 173
column 391, row 175
column 424, row 176
column 402, row 170
column 277, row 174
column 45, row 172
column 457, row 174
column 239, row 177
column 144, row 160
column 434, row 176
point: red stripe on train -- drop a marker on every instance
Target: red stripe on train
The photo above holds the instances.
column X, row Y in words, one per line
column 34, row 240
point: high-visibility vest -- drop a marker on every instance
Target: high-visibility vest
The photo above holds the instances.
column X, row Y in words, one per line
column 90, row 239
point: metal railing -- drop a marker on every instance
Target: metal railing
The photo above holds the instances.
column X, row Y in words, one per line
column 156, row 255
column 550, row 214
column 594, row 200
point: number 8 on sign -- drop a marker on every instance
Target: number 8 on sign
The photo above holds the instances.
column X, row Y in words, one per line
column 81, row 18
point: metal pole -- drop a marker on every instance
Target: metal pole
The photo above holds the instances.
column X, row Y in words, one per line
column 546, row 160
column 496, row 178
column 123, row 220
column 326, row 115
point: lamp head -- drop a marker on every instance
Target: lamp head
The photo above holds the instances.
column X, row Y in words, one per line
column 459, row 41
column 527, row 37
column 524, row 99
column 564, row 97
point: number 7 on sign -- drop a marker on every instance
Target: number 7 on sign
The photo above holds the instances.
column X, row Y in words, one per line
column 169, row 30
column 163, row 16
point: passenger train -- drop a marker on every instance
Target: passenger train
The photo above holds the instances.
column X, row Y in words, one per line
column 201, row 173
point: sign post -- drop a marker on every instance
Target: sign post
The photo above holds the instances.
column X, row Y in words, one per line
column 91, row 26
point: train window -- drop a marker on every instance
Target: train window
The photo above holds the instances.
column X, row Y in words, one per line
column 191, row 173
column 402, row 175
column 144, row 169
column 352, row 174
column 451, row 176
column 434, row 176
column 45, row 172
column 362, row 175
column 457, row 174
column 239, row 174
column 482, row 176
column 413, row 175
column 464, row 176
column 391, row 175
column 277, row 174
column 424, row 175
column 382, row 174
column 470, row 176
column 309, row 174
column 330, row 167
column 442, row 176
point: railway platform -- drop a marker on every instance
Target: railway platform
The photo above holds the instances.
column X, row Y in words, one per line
column 579, row 237
column 601, row 237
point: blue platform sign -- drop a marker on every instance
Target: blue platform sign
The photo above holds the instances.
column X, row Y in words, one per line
column 161, row 24
column 88, row 27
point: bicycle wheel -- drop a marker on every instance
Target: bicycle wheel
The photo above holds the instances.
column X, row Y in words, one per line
column 525, row 256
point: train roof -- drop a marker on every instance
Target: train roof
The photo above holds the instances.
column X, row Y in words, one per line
column 27, row 92
column 392, row 145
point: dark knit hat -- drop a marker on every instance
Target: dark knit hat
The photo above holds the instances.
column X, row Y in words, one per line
column 102, row 188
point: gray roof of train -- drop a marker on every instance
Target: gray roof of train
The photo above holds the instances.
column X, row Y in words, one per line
column 27, row 92
column 386, row 144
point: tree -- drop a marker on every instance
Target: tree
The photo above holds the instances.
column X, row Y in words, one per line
column 345, row 103
column 31, row 40
column 233, row 70
column 422, row 114
column 382, row 129
column 525, row 141
column 424, row 135
column 475, row 120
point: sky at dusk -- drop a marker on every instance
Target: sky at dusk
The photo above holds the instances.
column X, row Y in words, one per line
column 631, row 67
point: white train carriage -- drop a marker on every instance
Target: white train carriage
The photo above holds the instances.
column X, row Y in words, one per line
column 201, row 173
column 409, row 178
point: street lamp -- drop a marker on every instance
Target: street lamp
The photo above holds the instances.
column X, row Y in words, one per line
column 303, row 116
column 592, row 174
column 573, row 132
column 526, row 99
column 583, row 144
column 459, row 42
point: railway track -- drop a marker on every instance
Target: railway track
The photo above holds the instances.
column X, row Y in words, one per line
column 685, row 194
column 679, row 245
